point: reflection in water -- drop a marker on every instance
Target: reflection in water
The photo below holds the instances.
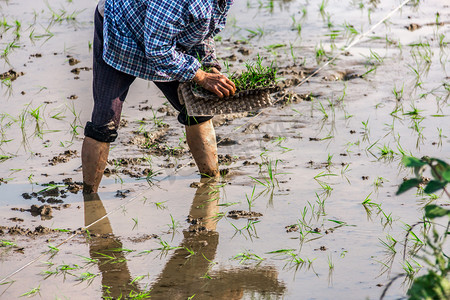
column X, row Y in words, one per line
column 185, row 274
column 184, row 277
column 116, row 278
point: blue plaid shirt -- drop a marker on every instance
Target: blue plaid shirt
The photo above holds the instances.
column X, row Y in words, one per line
column 162, row 40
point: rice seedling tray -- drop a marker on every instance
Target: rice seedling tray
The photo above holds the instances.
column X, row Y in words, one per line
column 200, row 103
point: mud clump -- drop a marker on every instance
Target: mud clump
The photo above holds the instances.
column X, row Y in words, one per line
column 226, row 159
column 122, row 193
column 73, row 187
column 413, row 27
column 11, row 75
column 78, row 70
column 124, row 162
column 289, row 97
column 292, row 228
column 17, row 230
column 242, row 214
column 15, row 219
column 226, row 141
column 45, row 211
column 196, row 225
column 244, row 51
column 251, row 127
column 143, row 238
column 145, row 139
column 73, row 61
column 63, row 157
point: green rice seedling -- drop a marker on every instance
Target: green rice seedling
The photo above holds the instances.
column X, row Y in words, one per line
column 367, row 202
column 322, row 7
column 6, row 243
column 321, row 54
column 190, row 251
column 158, row 122
column 349, row 32
column 330, row 262
column 137, row 278
column 255, row 76
column 4, row 24
column 247, row 256
column 378, row 182
column 398, row 93
column 386, row 152
column 440, row 136
column 323, row 111
column 17, row 28
column 258, row 32
column 251, row 199
column 386, row 219
column 210, row 266
column 173, row 224
column 321, row 205
column 389, row 244
column 110, row 259
column 269, row 174
column 296, row 26
column 274, row 46
column 53, row 249
column 4, row 157
column 250, row 228
column 324, row 174
column 366, row 130
column 32, row 292
column 87, row 277
column 160, row 205
column 36, row 115
column 291, row 48
column 413, row 113
column 329, row 22
column 47, row 34
column 64, row 270
column 411, row 271
column 9, row 47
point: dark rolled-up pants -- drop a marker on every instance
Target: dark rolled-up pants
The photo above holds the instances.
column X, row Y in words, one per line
column 110, row 87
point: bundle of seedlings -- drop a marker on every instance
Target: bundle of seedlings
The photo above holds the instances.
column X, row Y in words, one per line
column 253, row 88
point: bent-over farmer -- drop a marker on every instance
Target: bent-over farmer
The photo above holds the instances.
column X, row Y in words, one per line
column 159, row 41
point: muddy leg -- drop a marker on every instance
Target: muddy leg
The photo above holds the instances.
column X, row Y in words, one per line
column 94, row 155
column 201, row 139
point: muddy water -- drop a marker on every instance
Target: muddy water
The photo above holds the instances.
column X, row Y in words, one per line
column 337, row 142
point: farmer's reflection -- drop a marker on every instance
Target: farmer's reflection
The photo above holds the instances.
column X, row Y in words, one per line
column 103, row 246
column 185, row 276
column 182, row 276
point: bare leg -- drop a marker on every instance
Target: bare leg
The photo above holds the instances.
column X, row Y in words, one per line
column 201, row 139
column 94, row 155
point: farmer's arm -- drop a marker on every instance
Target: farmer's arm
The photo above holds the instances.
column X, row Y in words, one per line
column 160, row 48
column 206, row 53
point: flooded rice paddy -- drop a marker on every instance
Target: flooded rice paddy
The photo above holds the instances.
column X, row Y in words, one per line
column 306, row 208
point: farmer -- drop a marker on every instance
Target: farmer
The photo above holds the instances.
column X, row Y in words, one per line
column 161, row 41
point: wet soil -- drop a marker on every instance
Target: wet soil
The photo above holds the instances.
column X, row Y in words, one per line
column 304, row 166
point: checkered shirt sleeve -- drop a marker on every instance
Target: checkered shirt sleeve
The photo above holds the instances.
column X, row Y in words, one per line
column 160, row 40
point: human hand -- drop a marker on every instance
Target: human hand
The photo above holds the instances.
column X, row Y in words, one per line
column 215, row 82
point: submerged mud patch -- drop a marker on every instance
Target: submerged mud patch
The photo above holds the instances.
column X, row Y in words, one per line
column 63, row 157
column 19, row 230
column 11, row 75
column 242, row 214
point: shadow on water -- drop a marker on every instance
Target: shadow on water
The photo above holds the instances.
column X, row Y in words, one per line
column 184, row 275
